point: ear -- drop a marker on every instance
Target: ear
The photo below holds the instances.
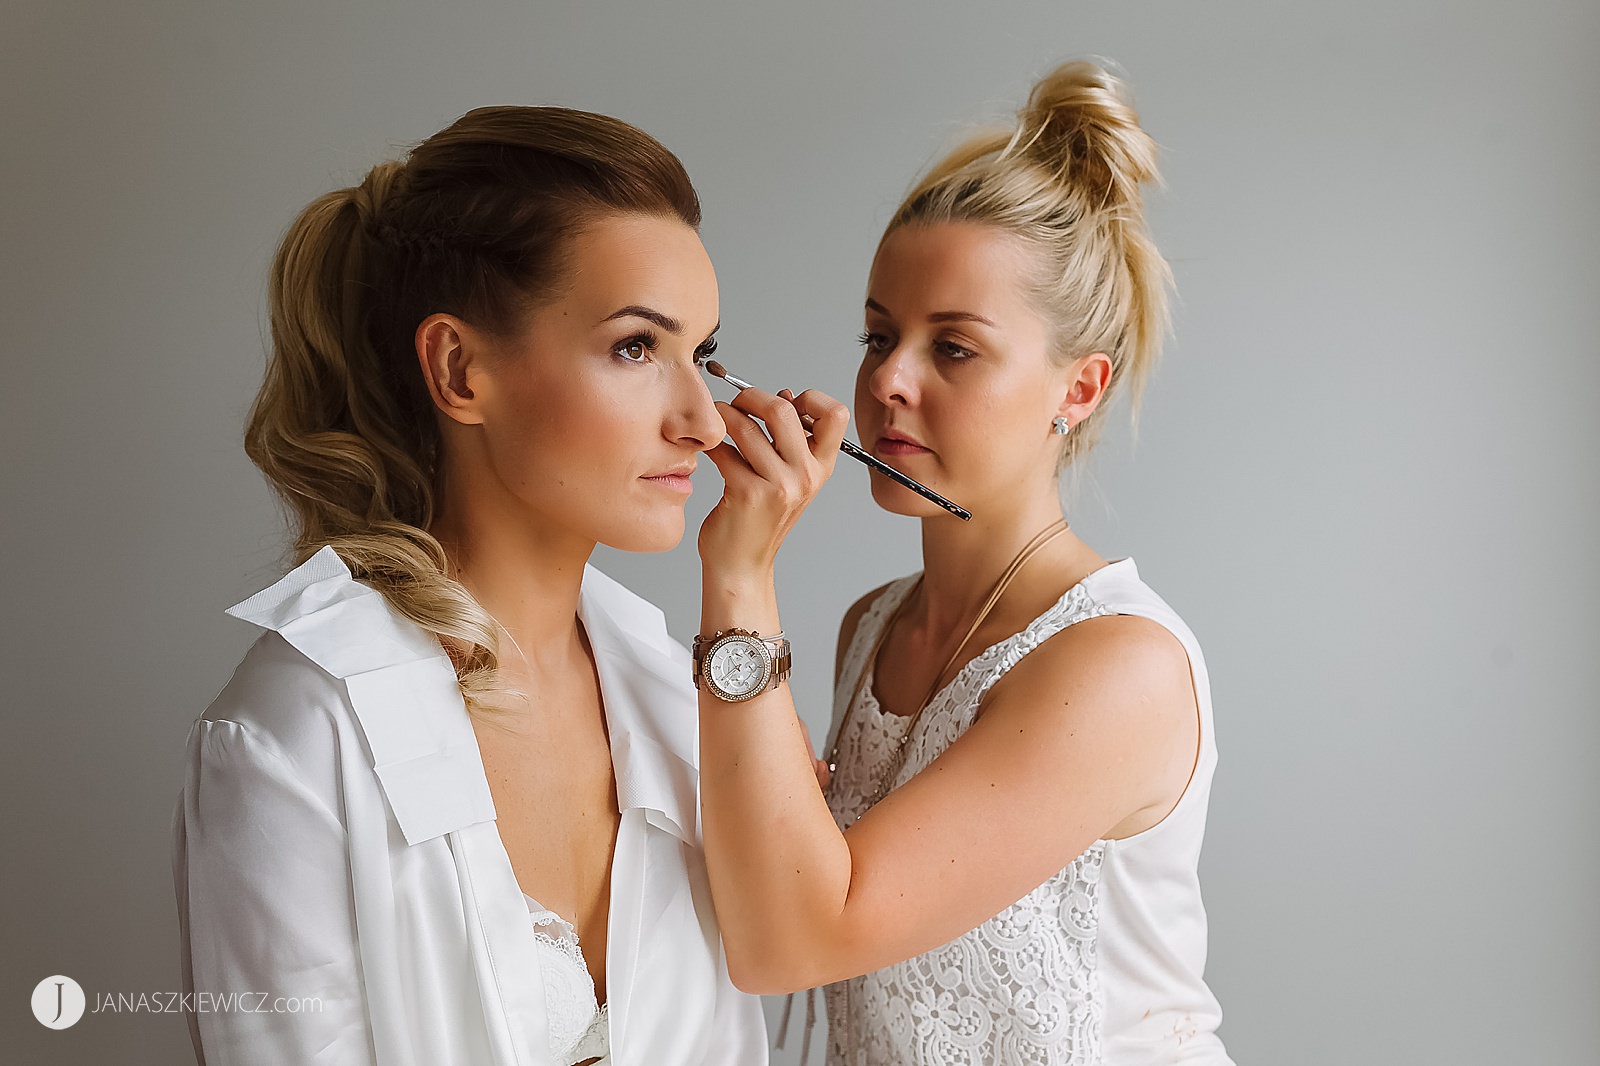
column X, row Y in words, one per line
column 451, row 354
column 1085, row 386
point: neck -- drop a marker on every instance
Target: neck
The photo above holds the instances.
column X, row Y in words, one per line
column 526, row 576
column 961, row 561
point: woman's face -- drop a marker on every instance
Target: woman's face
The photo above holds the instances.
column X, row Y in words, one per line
column 956, row 387
column 591, row 419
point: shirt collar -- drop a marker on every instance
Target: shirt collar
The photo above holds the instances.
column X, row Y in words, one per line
column 403, row 690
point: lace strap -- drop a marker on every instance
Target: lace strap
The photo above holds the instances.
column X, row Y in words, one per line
column 1074, row 606
column 861, row 644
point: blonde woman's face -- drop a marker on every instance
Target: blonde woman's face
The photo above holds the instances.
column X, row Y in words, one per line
column 956, row 387
column 594, row 416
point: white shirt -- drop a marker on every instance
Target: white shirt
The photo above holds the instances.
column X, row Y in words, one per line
column 335, row 841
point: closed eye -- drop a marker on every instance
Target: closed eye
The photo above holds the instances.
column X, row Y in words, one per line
column 705, row 351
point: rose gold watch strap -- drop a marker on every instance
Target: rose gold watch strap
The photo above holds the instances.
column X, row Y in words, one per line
column 782, row 660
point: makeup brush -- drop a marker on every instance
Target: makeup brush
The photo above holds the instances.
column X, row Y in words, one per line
column 855, row 451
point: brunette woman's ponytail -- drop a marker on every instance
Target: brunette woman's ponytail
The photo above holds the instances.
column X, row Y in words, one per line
column 473, row 223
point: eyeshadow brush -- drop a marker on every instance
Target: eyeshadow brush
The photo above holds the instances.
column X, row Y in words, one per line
column 855, row 451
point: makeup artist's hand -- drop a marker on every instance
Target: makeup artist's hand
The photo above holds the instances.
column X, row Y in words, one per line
column 771, row 474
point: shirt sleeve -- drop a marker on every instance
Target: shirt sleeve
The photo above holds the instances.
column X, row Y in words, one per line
column 739, row 1023
column 271, row 971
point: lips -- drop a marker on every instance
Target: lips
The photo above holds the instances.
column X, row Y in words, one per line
column 894, row 442
column 676, row 479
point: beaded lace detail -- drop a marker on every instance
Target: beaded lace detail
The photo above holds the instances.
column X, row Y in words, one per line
column 1020, row 988
column 579, row 1030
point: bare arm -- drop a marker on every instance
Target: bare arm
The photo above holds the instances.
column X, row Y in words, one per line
column 1093, row 729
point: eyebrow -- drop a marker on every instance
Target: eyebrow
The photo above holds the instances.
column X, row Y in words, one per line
column 937, row 316
column 959, row 316
column 649, row 314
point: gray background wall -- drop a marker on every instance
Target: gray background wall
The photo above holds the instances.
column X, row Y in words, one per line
column 1365, row 473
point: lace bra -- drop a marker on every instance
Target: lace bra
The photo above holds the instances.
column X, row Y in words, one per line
column 580, row 1032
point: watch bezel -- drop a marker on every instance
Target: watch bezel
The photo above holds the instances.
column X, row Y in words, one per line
column 768, row 660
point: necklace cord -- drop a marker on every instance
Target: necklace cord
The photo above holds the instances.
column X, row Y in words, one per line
column 897, row 761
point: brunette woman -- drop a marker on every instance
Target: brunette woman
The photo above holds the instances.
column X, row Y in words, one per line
column 445, row 811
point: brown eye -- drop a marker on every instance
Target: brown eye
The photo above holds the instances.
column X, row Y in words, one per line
column 635, row 349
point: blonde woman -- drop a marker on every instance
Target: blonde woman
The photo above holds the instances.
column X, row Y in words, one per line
column 445, row 810
column 1002, row 867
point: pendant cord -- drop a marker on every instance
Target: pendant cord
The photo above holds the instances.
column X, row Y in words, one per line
column 897, row 760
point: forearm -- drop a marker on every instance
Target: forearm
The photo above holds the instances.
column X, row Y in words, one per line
column 779, row 867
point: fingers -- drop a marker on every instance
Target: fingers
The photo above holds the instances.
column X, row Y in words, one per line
column 752, row 442
column 828, row 419
column 781, row 419
column 771, row 442
column 727, row 459
column 772, row 469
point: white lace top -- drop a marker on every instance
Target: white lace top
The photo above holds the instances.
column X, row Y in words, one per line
column 579, row 1029
column 1102, row 963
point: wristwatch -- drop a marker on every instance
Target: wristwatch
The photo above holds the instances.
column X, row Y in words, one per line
column 736, row 664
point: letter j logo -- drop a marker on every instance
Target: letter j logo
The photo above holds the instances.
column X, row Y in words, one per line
column 58, row 1002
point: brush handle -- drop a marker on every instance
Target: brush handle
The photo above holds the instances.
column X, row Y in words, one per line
column 855, row 451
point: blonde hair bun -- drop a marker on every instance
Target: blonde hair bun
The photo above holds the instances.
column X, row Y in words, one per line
column 1080, row 122
column 1066, row 179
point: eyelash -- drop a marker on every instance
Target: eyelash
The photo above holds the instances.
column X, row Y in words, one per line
column 650, row 342
column 867, row 337
column 950, row 349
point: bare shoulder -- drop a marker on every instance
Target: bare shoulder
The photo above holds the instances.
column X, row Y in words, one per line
column 1122, row 667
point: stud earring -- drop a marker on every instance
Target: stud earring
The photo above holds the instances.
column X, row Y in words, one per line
column 1059, row 425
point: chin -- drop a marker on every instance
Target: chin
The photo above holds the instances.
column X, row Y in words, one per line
column 897, row 499
column 646, row 534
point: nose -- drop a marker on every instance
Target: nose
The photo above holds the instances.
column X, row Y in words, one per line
column 893, row 381
column 694, row 419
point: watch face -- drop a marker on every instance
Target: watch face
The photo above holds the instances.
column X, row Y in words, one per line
column 738, row 666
